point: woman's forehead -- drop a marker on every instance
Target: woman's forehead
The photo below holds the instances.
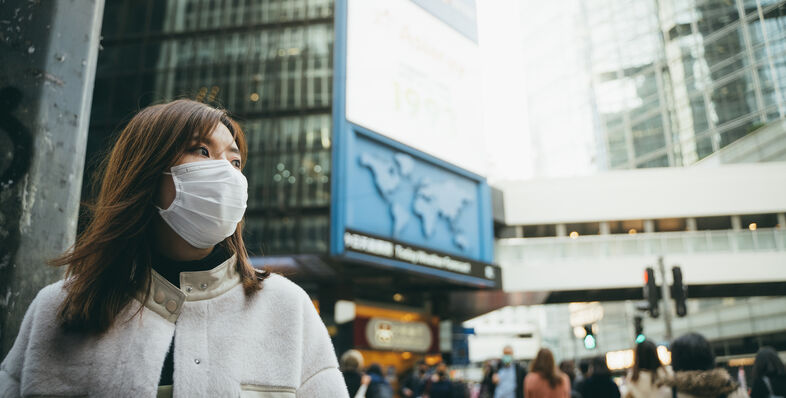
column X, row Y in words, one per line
column 220, row 136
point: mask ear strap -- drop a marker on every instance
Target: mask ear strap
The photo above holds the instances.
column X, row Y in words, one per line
column 167, row 173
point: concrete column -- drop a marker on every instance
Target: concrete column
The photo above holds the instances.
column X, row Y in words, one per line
column 690, row 224
column 605, row 228
column 649, row 226
column 781, row 220
column 562, row 230
column 49, row 52
column 736, row 223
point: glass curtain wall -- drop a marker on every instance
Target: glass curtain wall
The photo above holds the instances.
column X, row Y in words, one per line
column 269, row 63
column 651, row 83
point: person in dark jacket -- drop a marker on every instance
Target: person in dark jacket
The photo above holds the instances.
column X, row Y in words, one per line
column 599, row 383
column 351, row 363
column 769, row 375
column 509, row 377
column 440, row 385
column 414, row 383
column 379, row 386
column 695, row 373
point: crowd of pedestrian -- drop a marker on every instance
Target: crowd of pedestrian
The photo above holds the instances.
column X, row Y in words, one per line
column 692, row 374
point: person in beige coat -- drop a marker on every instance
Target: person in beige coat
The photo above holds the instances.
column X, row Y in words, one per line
column 695, row 374
column 159, row 297
column 648, row 374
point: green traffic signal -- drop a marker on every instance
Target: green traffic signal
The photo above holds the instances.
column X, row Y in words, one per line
column 640, row 338
column 589, row 342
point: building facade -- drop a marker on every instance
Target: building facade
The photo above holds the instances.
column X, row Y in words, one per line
column 269, row 63
column 618, row 84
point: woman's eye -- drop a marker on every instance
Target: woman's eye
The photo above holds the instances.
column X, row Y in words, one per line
column 236, row 163
column 203, row 151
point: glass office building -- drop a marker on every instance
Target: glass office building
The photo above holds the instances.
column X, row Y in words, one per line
column 615, row 84
column 268, row 62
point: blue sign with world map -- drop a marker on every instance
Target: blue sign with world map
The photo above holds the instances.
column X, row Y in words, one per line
column 398, row 208
column 402, row 204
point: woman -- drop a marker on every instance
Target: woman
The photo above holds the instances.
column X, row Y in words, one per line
column 351, row 365
column 544, row 380
column 695, row 374
column 648, row 372
column 769, row 375
column 599, row 383
column 159, row 297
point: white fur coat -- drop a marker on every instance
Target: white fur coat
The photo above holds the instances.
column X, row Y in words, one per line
column 274, row 345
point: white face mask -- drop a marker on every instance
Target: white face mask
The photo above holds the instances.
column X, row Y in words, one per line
column 210, row 200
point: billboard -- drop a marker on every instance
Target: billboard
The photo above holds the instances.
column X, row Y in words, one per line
column 413, row 74
column 398, row 200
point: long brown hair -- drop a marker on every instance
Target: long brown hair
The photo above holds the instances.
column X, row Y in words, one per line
column 110, row 263
column 646, row 359
column 545, row 367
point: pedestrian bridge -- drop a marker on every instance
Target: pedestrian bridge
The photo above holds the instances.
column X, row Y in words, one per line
column 714, row 263
column 734, row 258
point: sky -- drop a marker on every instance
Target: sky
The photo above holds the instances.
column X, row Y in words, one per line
column 505, row 121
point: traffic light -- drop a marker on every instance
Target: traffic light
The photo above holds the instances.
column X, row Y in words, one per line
column 679, row 292
column 589, row 339
column 638, row 324
column 651, row 292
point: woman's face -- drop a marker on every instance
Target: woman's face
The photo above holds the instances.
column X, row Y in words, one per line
column 218, row 145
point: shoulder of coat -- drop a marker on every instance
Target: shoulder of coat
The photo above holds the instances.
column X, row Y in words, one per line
column 283, row 288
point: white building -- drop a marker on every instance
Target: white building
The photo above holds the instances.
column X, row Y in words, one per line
column 590, row 238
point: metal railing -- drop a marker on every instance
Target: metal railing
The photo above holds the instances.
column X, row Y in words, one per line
column 726, row 241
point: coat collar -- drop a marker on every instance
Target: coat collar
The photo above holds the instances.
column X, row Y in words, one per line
column 166, row 300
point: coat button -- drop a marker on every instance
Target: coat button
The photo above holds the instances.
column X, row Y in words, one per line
column 171, row 306
column 188, row 289
column 196, row 361
column 159, row 297
column 203, row 286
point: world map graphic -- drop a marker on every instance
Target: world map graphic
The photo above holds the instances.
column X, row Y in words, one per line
column 408, row 197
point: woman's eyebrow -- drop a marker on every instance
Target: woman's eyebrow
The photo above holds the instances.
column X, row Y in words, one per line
column 233, row 148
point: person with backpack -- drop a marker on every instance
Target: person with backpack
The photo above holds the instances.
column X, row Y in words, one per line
column 769, row 375
column 379, row 386
column 695, row 374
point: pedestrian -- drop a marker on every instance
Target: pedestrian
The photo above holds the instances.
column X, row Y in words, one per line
column 159, row 295
column 645, row 380
column 379, row 387
column 508, row 378
column 487, row 383
column 583, row 375
column 351, row 365
column 440, row 385
column 695, row 374
column 544, row 379
column 569, row 368
column 415, row 382
column 599, row 383
column 769, row 375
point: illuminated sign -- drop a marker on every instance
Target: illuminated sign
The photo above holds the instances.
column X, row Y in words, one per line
column 391, row 335
column 414, row 75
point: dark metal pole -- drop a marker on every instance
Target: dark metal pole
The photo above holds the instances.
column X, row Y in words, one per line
column 49, row 51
